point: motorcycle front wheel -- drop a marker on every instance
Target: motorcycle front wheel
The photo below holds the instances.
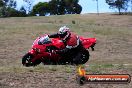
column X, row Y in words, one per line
column 26, row 60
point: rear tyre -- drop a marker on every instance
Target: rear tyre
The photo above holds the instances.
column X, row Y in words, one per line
column 81, row 58
column 84, row 57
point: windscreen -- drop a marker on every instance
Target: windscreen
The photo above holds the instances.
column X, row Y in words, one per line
column 44, row 40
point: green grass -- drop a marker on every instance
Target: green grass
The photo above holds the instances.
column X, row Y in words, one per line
column 94, row 68
column 106, row 68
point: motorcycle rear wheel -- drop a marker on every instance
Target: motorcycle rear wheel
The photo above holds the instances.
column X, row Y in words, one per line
column 84, row 57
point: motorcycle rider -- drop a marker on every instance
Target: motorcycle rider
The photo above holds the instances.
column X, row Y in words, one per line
column 72, row 43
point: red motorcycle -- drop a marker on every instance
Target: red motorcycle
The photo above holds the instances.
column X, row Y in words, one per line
column 42, row 51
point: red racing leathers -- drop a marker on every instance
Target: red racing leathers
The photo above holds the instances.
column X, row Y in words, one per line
column 73, row 46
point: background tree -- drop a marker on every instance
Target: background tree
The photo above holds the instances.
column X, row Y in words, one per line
column 29, row 5
column 1, row 7
column 42, row 8
column 73, row 7
column 57, row 7
column 1, row 3
column 5, row 5
column 119, row 4
column 53, row 6
column 77, row 9
column 11, row 3
column 7, row 9
column 22, row 12
column 60, row 7
column 8, row 3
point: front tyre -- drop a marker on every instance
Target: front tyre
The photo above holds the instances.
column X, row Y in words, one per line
column 26, row 60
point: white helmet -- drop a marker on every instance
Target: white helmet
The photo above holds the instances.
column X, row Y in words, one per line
column 63, row 30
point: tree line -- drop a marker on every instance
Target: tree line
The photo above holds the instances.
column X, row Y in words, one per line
column 119, row 5
column 54, row 7
column 7, row 9
column 57, row 7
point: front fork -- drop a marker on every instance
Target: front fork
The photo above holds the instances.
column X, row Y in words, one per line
column 92, row 46
column 34, row 53
column 37, row 55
